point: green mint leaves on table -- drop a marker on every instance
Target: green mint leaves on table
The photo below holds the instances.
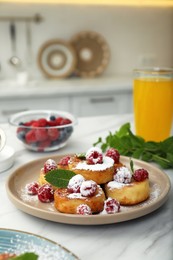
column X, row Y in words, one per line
column 26, row 256
column 59, row 177
column 135, row 146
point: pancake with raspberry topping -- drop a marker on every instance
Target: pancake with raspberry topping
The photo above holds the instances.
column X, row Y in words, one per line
column 128, row 191
column 95, row 166
column 79, row 191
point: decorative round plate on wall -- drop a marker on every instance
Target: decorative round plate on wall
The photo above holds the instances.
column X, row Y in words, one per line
column 92, row 53
column 57, row 59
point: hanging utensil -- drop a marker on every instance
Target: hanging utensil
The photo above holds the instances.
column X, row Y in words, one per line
column 29, row 42
column 14, row 60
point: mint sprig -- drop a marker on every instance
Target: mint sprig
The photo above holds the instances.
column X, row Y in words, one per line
column 59, row 177
column 134, row 146
column 26, row 256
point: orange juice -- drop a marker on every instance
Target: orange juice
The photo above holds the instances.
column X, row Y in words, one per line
column 153, row 107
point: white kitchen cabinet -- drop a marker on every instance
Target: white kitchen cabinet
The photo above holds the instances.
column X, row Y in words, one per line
column 82, row 97
column 10, row 106
column 109, row 103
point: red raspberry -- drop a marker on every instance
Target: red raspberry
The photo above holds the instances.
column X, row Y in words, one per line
column 111, row 206
column 41, row 134
column 88, row 188
column 49, row 165
column 94, row 156
column 83, row 209
column 66, row 121
column 30, row 137
column 32, row 188
column 29, row 123
column 64, row 161
column 44, row 144
column 140, row 175
column 122, row 175
column 75, row 183
column 58, row 120
column 53, row 133
column 46, row 193
column 42, row 122
column 52, row 123
column 114, row 154
column 35, row 124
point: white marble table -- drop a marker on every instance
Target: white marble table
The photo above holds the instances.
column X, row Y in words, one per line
column 148, row 237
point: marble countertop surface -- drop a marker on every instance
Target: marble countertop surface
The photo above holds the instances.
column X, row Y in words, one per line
column 145, row 238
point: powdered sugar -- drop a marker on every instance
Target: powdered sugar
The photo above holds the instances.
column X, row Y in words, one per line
column 75, row 196
column 117, row 185
column 107, row 163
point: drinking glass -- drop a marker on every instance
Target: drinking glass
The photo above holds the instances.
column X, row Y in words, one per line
column 153, row 103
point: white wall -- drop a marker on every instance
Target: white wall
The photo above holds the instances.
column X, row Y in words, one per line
column 136, row 36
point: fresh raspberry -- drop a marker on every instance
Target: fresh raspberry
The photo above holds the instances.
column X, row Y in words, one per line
column 66, row 121
column 114, row 154
column 58, row 120
column 140, row 175
column 44, row 144
column 46, row 193
column 42, row 122
column 88, row 188
column 49, row 165
column 30, row 137
column 29, row 123
column 75, row 183
column 83, row 209
column 94, row 156
column 51, row 123
column 32, row 188
column 111, row 206
column 64, row 161
column 35, row 124
column 41, row 134
column 53, row 133
column 123, row 175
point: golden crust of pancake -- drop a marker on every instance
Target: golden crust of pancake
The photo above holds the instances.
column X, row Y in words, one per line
column 99, row 176
column 130, row 194
column 67, row 202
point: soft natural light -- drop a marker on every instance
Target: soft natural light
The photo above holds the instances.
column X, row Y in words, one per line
column 165, row 3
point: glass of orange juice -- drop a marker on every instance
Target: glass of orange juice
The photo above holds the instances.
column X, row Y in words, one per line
column 153, row 103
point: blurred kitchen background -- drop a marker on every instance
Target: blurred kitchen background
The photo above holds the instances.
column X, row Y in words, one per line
column 136, row 34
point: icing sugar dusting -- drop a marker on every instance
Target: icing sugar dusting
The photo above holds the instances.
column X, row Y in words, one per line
column 107, row 163
column 117, row 185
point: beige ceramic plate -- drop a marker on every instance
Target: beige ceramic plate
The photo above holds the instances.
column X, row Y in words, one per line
column 159, row 183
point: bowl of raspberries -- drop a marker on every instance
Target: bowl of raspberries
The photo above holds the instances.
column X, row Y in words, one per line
column 43, row 130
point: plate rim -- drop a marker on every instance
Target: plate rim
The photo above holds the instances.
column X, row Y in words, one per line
column 40, row 237
column 72, row 218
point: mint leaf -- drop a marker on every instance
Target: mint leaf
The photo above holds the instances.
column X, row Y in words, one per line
column 59, row 177
column 81, row 156
column 26, row 256
column 131, row 145
column 124, row 129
